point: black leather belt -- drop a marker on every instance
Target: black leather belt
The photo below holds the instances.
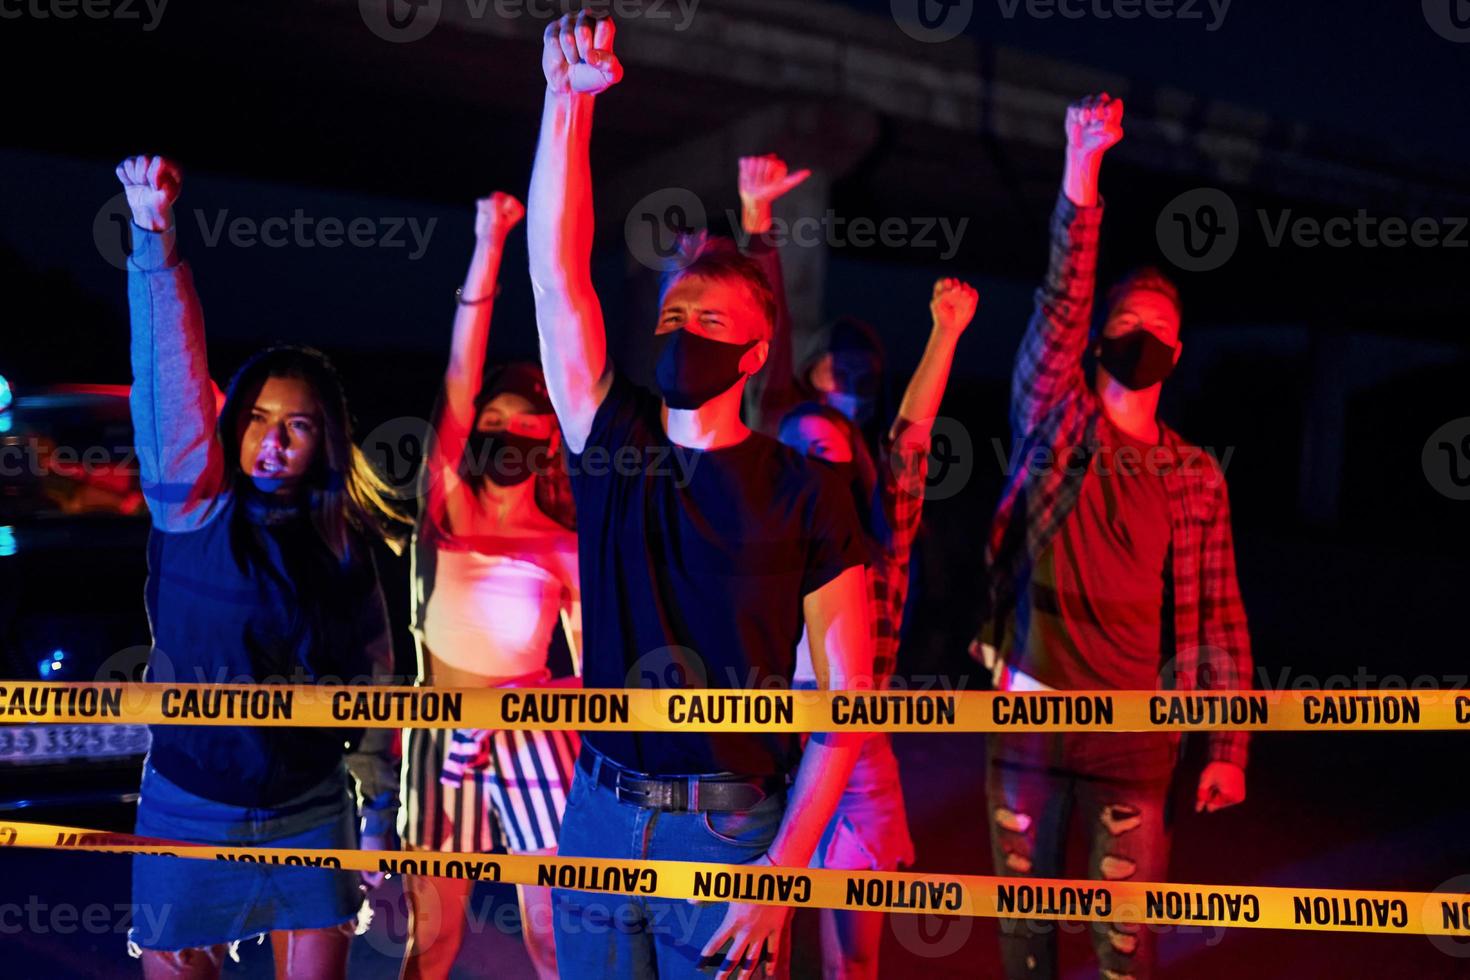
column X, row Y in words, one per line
column 688, row 794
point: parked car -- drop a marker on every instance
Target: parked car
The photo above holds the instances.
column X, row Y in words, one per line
column 73, row 538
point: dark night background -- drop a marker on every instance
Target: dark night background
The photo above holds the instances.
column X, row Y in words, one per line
column 1320, row 371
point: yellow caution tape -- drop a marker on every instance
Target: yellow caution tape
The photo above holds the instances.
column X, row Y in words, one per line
column 718, row 710
column 1332, row 910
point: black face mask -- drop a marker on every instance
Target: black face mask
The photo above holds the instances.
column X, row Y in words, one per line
column 1137, row 359
column 692, row 369
column 505, row 458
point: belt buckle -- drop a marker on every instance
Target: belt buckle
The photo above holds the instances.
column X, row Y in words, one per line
column 627, row 794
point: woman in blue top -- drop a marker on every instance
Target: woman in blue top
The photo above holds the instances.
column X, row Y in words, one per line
column 259, row 570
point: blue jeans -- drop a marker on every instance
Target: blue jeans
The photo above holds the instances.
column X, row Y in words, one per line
column 1120, row 783
column 602, row 935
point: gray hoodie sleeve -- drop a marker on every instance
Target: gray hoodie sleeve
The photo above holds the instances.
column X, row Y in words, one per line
column 173, row 403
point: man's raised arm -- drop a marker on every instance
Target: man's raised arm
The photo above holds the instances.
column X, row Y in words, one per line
column 579, row 63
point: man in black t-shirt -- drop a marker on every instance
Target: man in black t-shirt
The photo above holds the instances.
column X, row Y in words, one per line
column 705, row 550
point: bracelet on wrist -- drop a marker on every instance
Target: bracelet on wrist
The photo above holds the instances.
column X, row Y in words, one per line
column 459, row 296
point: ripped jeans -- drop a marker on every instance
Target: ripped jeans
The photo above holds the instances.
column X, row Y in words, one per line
column 1120, row 784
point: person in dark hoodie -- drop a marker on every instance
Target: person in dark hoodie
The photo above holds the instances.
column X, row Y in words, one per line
column 259, row 570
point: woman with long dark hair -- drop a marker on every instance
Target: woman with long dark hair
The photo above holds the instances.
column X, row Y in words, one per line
column 260, row 570
column 495, row 571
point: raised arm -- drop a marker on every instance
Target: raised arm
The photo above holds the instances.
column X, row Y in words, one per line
column 180, row 460
column 951, row 308
column 839, row 627
column 1049, row 363
column 495, row 216
column 762, row 180
column 578, row 61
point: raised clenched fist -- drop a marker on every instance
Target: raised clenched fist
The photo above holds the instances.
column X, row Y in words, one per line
column 577, row 55
column 953, row 305
column 152, row 186
column 497, row 214
column 1094, row 123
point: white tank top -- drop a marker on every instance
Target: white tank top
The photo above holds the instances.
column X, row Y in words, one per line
column 491, row 614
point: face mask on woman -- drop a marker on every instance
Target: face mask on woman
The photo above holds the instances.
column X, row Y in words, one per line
column 507, row 458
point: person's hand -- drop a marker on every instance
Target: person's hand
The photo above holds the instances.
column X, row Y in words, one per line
column 762, row 180
column 953, row 306
column 1094, row 124
column 1221, row 784
column 152, row 185
column 376, row 842
column 748, row 941
column 496, row 215
column 577, row 55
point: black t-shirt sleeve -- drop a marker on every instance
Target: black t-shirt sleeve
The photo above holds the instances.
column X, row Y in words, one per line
column 621, row 419
column 834, row 541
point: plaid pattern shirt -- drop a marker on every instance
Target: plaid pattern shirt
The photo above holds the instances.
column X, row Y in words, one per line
column 1054, row 415
column 902, row 469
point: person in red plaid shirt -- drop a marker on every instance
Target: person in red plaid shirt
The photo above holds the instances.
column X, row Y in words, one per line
column 1111, row 567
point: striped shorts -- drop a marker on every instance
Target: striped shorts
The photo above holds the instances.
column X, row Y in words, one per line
column 516, row 801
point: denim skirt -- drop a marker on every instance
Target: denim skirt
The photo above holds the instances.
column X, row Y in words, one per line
column 182, row 903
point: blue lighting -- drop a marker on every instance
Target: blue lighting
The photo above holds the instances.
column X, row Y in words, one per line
column 53, row 664
column 6, row 422
column 5, row 396
column 7, row 541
